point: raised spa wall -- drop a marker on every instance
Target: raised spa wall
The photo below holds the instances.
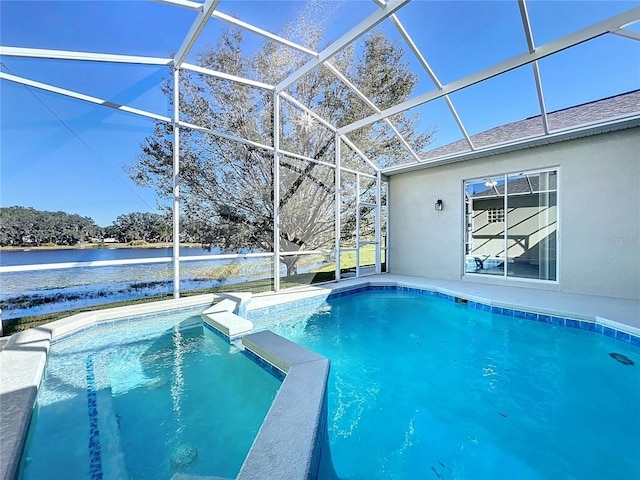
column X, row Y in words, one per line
column 290, row 440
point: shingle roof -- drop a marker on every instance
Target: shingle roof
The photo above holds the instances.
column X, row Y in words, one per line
column 592, row 112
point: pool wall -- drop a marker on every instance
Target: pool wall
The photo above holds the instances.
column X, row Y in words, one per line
column 289, row 443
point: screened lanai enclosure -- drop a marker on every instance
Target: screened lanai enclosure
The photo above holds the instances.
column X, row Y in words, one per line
column 264, row 131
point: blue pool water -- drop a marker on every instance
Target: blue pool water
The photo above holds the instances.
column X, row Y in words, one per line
column 145, row 400
column 424, row 388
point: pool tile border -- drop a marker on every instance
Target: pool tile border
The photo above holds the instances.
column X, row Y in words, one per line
column 264, row 364
column 560, row 321
column 129, row 319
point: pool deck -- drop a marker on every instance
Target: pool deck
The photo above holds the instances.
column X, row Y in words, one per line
column 619, row 313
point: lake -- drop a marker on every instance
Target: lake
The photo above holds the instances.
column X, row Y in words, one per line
column 30, row 257
column 45, row 291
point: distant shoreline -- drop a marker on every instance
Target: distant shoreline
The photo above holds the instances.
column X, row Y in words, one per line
column 96, row 246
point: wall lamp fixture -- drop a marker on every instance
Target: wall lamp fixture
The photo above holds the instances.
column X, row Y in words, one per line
column 439, row 205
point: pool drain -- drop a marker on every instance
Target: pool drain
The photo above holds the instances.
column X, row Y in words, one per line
column 623, row 359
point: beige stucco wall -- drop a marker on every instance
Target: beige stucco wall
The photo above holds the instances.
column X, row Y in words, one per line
column 599, row 210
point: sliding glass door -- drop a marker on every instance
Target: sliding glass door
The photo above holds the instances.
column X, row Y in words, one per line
column 511, row 224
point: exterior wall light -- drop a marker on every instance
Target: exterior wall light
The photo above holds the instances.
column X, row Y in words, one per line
column 439, row 205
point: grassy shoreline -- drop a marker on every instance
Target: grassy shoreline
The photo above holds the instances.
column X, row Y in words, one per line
column 320, row 275
column 255, row 286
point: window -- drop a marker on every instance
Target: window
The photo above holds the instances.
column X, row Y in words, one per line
column 495, row 215
column 511, row 225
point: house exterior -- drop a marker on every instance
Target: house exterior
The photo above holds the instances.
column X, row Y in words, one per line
column 557, row 211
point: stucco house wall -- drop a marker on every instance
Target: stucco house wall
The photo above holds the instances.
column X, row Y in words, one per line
column 599, row 214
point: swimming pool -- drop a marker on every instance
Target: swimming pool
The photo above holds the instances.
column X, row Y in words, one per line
column 421, row 387
column 146, row 398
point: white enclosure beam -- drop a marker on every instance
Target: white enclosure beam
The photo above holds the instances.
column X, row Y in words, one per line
column 338, row 202
column 194, row 32
column 524, row 15
column 80, row 96
column 345, row 40
column 601, row 28
column 357, row 226
column 307, row 110
column 276, row 192
column 359, row 153
column 176, row 184
column 263, row 33
column 423, row 61
column 373, row 106
column 627, row 34
column 306, row 159
column 226, row 76
column 378, row 222
column 183, row 3
column 216, row 133
column 83, row 56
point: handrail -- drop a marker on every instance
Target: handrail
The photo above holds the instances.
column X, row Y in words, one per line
column 140, row 261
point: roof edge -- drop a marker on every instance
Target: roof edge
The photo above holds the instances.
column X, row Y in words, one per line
column 571, row 133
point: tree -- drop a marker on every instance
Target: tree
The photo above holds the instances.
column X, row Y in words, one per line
column 147, row 226
column 226, row 186
column 25, row 226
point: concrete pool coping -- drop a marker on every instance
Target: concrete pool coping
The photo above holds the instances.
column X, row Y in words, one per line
column 301, row 400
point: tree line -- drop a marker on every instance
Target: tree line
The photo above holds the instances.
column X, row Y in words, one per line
column 28, row 227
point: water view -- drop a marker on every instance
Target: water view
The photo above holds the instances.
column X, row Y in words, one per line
column 37, row 292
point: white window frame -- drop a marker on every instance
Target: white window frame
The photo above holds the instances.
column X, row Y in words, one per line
column 505, row 277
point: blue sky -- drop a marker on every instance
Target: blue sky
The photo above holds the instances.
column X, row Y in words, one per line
column 64, row 154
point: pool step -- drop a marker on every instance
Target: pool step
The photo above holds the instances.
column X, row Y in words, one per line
column 228, row 323
column 226, row 305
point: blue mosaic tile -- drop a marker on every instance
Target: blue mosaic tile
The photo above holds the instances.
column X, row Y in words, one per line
column 609, row 332
column 95, row 456
column 508, row 312
column 531, row 316
column 572, row 323
column 471, row 304
column 216, row 332
column 519, row 314
column 272, row 369
column 115, row 321
column 558, row 321
column 634, row 340
column 544, row 318
column 498, row 310
column 590, row 326
column 625, row 337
